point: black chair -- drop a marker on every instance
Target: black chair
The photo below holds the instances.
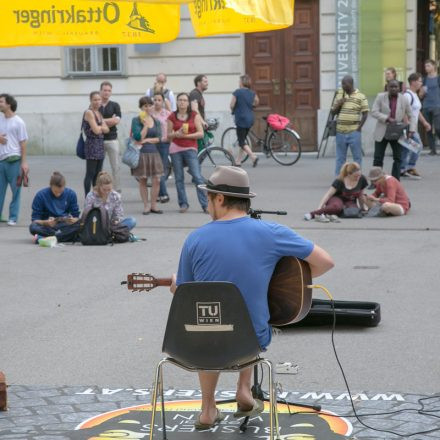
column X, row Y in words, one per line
column 209, row 329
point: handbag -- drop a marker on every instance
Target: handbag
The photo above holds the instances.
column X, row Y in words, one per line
column 81, row 143
column 131, row 154
column 81, row 147
column 352, row 212
column 394, row 131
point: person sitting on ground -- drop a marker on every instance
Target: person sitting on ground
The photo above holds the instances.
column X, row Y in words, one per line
column 389, row 198
column 347, row 190
column 216, row 252
column 103, row 194
column 55, row 211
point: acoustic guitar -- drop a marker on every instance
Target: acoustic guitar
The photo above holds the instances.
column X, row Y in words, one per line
column 289, row 297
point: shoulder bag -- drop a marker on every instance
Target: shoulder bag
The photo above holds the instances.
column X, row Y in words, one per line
column 81, row 143
column 394, row 131
column 131, row 154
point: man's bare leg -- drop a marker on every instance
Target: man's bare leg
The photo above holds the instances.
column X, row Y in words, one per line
column 244, row 398
column 208, row 384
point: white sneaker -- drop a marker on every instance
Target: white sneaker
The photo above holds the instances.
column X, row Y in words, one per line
column 12, row 222
column 334, row 218
column 322, row 219
column 307, row 216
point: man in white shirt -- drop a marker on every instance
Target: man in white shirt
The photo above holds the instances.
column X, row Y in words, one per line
column 409, row 158
column 13, row 164
column 160, row 86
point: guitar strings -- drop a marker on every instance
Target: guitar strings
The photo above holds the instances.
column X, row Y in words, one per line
column 421, row 401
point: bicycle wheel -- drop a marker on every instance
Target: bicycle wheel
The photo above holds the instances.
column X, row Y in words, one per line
column 213, row 157
column 230, row 143
column 285, row 147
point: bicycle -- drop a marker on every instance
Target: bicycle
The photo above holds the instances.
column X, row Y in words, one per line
column 211, row 156
column 283, row 145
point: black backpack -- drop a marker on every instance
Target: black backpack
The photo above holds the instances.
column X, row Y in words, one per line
column 95, row 227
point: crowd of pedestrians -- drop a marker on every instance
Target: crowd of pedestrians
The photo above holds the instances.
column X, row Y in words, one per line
column 170, row 130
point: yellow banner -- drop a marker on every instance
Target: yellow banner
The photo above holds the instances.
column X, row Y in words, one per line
column 73, row 22
column 270, row 11
column 214, row 17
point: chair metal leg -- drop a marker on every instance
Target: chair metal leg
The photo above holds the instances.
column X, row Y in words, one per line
column 273, row 410
column 158, row 386
column 162, row 399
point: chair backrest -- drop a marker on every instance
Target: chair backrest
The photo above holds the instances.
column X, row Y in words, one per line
column 209, row 327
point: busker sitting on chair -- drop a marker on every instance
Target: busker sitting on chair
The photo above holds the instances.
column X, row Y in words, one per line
column 394, row 200
column 244, row 251
column 55, row 211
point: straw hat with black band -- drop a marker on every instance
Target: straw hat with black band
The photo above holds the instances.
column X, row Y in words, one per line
column 229, row 181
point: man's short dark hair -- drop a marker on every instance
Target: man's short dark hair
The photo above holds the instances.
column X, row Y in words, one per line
column 57, row 179
column 106, row 83
column 233, row 202
column 414, row 77
column 198, row 78
column 10, row 100
column 430, row 61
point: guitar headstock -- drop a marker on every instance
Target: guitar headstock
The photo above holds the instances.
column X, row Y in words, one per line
column 140, row 282
column 144, row 282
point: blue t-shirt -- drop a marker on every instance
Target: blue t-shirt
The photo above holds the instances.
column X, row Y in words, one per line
column 243, row 110
column 242, row 251
column 46, row 205
column 432, row 97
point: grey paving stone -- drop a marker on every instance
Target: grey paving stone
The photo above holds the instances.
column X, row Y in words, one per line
column 59, row 427
column 78, row 417
column 34, row 420
column 54, row 409
column 117, row 397
column 6, row 424
column 101, row 407
column 75, row 399
column 37, row 393
column 19, row 403
column 15, row 411
column 50, row 437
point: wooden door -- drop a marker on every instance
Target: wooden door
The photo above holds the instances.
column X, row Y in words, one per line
column 284, row 66
column 422, row 35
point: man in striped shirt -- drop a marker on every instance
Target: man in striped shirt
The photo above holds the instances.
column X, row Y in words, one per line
column 351, row 108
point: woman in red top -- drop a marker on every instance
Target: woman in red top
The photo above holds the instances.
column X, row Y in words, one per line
column 184, row 128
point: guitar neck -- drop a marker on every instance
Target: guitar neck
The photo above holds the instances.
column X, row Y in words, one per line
column 163, row 282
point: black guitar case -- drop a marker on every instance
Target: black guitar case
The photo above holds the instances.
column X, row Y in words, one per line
column 351, row 313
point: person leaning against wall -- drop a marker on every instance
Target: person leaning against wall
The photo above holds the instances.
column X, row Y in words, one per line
column 111, row 112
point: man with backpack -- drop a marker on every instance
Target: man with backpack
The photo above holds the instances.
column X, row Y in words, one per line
column 409, row 158
column 55, row 211
column 431, row 102
column 160, row 87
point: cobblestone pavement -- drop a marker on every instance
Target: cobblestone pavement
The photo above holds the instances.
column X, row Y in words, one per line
column 57, row 413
